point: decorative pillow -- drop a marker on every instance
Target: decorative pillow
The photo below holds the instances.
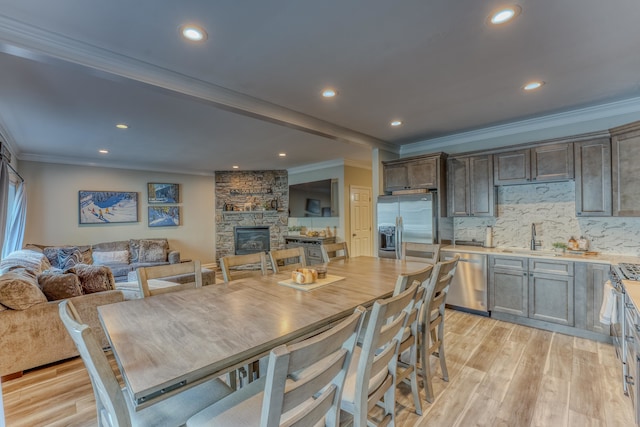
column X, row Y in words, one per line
column 57, row 286
column 25, row 258
column 153, row 251
column 87, row 254
column 93, row 278
column 19, row 290
column 68, row 257
column 134, row 250
column 51, row 252
column 113, row 257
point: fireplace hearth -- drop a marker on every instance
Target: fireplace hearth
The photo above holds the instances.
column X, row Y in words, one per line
column 251, row 239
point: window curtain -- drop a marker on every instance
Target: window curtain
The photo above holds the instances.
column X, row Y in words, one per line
column 4, row 198
column 16, row 221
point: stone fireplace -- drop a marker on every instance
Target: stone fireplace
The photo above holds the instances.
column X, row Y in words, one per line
column 255, row 204
column 251, row 240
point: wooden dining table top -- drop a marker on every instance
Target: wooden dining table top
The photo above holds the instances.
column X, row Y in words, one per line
column 169, row 341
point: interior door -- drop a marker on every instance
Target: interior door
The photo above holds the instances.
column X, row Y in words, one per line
column 360, row 221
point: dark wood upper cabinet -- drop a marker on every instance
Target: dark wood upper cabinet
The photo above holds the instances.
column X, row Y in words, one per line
column 413, row 173
column 471, row 191
column 593, row 177
column 625, row 162
column 552, row 162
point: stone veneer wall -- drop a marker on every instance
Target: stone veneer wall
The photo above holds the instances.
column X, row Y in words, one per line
column 551, row 207
column 258, row 188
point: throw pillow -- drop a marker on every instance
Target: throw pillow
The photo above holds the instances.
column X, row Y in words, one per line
column 153, row 251
column 57, row 286
column 68, row 257
column 93, row 278
column 25, row 258
column 87, row 254
column 113, row 257
column 51, row 252
column 134, row 250
column 19, row 290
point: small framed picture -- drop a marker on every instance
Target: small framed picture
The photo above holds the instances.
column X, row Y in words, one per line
column 107, row 207
column 164, row 216
column 163, row 193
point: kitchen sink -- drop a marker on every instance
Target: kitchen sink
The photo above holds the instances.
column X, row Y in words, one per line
column 528, row 252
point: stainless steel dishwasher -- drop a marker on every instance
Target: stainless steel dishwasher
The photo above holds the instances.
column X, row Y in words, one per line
column 468, row 290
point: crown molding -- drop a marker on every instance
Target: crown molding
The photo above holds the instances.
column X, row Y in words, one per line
column 20, row 39
column 316, row 166
column 109, row 165
column 559, row 121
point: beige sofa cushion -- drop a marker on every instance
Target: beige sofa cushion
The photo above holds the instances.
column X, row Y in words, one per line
column 57, row 286
column 25, row 258
column 19, row 289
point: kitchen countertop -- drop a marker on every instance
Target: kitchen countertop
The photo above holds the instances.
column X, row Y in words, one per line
column 544, row 254
column 633, row 291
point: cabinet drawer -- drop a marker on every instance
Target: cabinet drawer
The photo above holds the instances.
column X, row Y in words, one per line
column 508, row 262
column 314, row 252
column 563, row 268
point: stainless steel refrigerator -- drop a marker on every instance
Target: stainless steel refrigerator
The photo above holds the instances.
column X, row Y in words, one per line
column 405, row 218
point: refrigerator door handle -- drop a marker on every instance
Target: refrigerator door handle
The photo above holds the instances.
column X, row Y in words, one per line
column 399, row 229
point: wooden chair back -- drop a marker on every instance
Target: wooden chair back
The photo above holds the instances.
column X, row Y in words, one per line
column 408, row 370
column 431, row 323
column 421, row 252
column 287, row 259
column 155, row 272
column 375, row 372
column 257, row 260
column 308, row 377
column 334, row 251
column 110, row 400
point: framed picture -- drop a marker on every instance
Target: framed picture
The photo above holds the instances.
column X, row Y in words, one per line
column 312, row 207
column 164, row 216
column 107, row 207
column 163, row 193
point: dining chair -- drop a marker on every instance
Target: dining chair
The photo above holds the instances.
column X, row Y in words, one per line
column 152, row 273
column 372, row 373
column 431, row 324
column 253, row 264
column 422, row 252
column 287, row 259
column 302, row 387
column 114, row 406
column 334, row 251
column 408, row 352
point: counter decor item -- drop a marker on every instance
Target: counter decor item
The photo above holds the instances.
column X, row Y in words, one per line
column 560, row 246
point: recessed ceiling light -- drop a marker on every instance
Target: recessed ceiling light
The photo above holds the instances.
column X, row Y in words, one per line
column 532, row 85
column 396, row 123
column 282, row 154
column 329, row 93
column 193, row 33
column 103, row 151
column 504, row 14
column 122, row 126
column 235, row 166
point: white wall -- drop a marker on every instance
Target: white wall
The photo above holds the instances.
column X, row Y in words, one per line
column 52, row 207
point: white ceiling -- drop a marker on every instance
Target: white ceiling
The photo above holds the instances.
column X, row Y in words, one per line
column 70, row 70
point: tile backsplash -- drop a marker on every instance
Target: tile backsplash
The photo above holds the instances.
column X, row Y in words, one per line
column 551, row 207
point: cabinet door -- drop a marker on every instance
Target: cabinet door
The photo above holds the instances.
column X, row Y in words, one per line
column 597, row 275
column 481, row 189
column 508, row 284
column 551, row 298
column 625, row 171
column 423, row 173
column 593, row 177
column 458, row 186
column 552, row 162
column 395, row 177
column 512, row 167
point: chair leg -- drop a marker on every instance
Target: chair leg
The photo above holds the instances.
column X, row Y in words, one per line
column 426, row 368
column 414, row 379
column 443, row 361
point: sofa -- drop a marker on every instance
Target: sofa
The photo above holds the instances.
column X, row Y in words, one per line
column 122, row 257
column 30, row 291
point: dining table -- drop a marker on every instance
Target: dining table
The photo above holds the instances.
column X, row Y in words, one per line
column 167, row 342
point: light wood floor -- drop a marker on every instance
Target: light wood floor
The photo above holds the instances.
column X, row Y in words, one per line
column 499, row 375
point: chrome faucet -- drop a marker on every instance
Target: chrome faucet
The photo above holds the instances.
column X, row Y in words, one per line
column 534, row 243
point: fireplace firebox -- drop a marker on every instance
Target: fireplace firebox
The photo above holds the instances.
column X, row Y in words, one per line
column 251, row 239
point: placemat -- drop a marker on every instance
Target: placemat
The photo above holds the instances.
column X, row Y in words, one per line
column 317, row 284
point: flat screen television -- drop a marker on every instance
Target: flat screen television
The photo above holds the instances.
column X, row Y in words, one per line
column 314, row 199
